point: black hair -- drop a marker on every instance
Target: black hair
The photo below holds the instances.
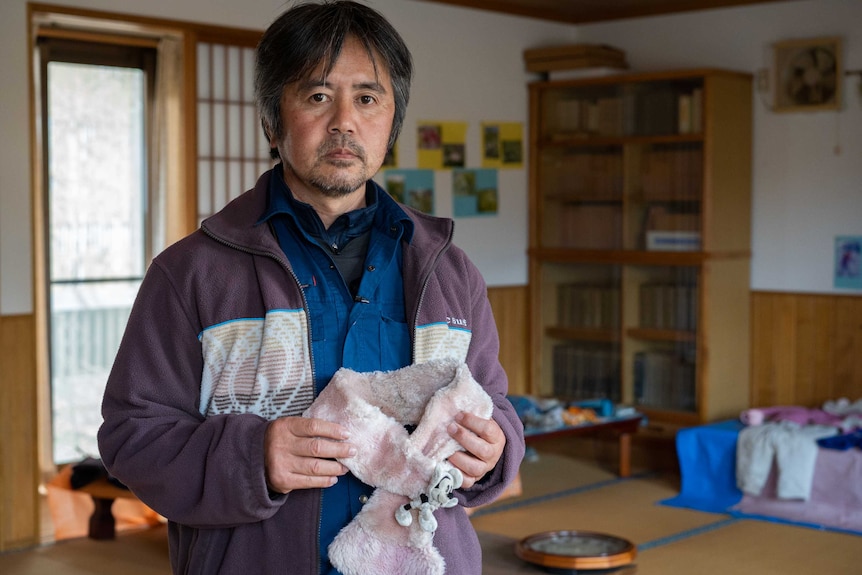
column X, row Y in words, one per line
column 301, row 38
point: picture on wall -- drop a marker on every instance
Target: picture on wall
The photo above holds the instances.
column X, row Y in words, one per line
column 474, row 193
column 848, row 262
column 441, row 145
column 414, row 188
column 808, row 75
column 502, row 145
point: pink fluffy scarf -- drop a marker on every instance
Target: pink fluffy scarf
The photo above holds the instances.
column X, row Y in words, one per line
column 393, row 533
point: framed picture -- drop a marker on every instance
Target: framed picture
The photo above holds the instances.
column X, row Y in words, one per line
column 808, row 75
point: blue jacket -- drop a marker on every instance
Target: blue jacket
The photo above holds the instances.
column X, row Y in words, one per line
column 218, row 345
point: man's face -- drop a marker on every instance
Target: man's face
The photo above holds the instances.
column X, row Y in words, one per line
column 336, row 128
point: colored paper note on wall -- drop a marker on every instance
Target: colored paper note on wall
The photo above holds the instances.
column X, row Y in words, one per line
column 502, row 145
column 441, row 145
column 414, row 188
column 474, row 193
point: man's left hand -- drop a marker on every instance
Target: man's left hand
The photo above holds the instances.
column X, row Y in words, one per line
column 483, row 441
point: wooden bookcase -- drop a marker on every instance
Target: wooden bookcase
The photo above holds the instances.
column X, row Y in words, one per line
column 640, row 201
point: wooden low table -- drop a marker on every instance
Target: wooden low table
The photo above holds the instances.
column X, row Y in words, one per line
column 102, row 524
column 622, row 427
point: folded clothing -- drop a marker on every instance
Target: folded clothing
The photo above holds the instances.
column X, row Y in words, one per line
column 842, row 442
column 793, row 447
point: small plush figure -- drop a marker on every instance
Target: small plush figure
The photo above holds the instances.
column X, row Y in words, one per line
column 443, row 483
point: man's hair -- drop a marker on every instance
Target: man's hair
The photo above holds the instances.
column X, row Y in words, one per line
column 312, row 33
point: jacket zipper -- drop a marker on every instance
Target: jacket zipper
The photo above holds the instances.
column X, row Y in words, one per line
column 292, row 274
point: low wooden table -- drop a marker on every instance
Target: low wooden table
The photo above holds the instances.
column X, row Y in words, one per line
column 102, row 524
column 622, row 427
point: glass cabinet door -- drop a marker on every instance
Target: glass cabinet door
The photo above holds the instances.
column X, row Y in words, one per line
column 581, row 318
column 660, row 335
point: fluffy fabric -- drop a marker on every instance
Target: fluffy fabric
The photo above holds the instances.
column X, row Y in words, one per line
column 406, row 468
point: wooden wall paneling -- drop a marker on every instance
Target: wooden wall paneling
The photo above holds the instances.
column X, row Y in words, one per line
column 806, row 351
column 19, row 469
column 847, row 348
column 823, row 368
column 761, row 350
column 806, row 348
column 510, row 312
column 784, row 352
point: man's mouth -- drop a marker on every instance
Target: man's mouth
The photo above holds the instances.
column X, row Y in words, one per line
column 342, row 154
column 342, row 150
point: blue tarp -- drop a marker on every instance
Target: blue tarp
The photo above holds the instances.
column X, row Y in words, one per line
column 707, row 462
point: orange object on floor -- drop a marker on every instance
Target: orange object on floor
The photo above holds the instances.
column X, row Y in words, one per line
column 71, row 510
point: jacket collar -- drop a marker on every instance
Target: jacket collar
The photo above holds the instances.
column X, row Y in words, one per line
column 241, row 223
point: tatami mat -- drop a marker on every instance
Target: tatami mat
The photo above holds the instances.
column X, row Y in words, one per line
column 558, row 493
column 749, row 546
column 670, row 541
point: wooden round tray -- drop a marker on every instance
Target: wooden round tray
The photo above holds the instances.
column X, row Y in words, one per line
column 576, row 550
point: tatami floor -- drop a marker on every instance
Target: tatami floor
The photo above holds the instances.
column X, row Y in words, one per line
column 559, row 492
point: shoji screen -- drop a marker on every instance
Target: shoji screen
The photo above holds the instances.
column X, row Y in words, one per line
column 232, row 150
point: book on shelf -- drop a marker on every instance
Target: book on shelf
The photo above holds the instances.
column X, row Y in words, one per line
column 586, row 372
column 664, row 217
column 590, row 227
column 584, row 117
column 588, row 305
column 668, row 228
column 585, row 176
column 664, row 379
column 672, row 241
column 690, row 112
column 684, row 114
column 656, row 112
column 672, row 173
column 666, row 305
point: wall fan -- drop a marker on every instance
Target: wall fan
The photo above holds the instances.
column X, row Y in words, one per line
column 808, row 74
column 812, row 77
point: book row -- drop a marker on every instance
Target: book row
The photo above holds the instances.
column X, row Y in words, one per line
column 583, row 175
column 586, row 372
column 665, row 305
column 650, row 111
column 591, row 306
column 664, row 379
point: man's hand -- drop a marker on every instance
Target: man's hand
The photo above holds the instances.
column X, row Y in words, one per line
column 484, row 442
column 300, row 452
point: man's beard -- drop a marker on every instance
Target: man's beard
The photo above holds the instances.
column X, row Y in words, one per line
column 340, row 184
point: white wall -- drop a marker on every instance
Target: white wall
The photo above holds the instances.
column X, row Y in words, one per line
column 469, row 68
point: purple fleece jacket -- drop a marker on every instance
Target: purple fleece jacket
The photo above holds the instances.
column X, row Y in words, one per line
column 217, row 345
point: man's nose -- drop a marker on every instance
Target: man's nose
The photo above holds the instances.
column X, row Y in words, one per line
column 343, row 116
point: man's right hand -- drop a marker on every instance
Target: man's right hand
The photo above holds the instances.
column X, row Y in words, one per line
column 300, row 453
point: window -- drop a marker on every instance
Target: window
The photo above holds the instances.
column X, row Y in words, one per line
column 96, row 104
column 232, row 149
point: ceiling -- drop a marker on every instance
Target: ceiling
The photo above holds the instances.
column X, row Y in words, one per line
column 586, row 11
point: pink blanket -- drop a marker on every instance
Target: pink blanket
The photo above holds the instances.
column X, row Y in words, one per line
column 836, row 494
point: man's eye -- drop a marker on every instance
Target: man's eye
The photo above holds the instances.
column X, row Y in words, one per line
column 367, row 99
column 318, row 98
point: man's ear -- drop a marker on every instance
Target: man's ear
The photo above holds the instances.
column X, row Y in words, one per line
column 273, row 143
column 266, row 133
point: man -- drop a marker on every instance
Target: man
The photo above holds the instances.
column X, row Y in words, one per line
column 238, row 327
